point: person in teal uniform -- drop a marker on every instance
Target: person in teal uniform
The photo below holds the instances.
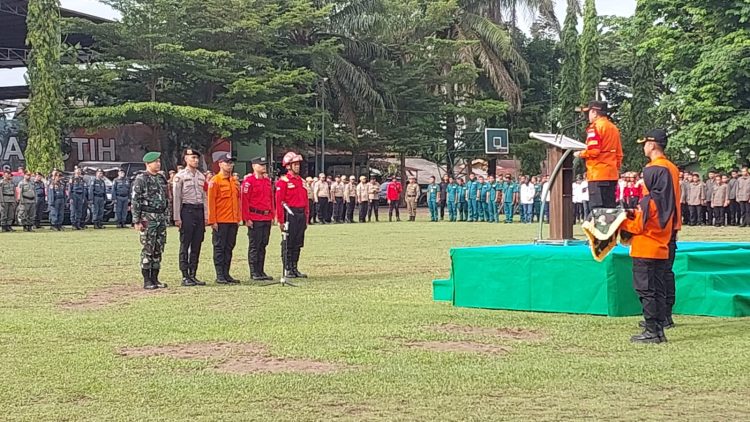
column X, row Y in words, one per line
column 433, row 197
column 472, row 185
column 537, row 198
column 463, row 203
column 491, row 200
column 451, row 192
column 510, row 197
column 499, row 196
column 481, row 199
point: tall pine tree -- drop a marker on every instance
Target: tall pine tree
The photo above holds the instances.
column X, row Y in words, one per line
column 569, row 83
column 43, row 152
column 591, row 68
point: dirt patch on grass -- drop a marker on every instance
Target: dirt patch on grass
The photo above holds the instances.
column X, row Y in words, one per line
column 505, row 333
column 459, row 346
column 235, row 358
column 111, row 295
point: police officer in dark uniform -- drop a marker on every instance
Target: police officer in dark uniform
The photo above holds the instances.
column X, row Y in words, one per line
column 56, row 198
column 121, row 197
column 190, row 210
column 41, row 199
column 98, row 197
column 77, row 198
column 292, row 208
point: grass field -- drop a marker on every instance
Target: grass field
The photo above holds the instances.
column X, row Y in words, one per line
column 66, row 315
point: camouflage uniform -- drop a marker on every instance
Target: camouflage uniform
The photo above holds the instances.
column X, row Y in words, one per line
column 149, row 207
column 26, row 204
column 7, row 203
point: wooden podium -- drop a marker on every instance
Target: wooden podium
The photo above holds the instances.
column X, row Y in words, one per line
column 561, row 220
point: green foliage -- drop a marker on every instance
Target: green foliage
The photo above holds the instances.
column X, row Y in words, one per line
column 569, row 93
column 591, row 69
column 43, row 151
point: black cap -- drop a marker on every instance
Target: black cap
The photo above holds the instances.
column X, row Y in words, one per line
column 225, row 158
column 191, row 151
column 656, row 135
column 600, row 106
column 259, row 160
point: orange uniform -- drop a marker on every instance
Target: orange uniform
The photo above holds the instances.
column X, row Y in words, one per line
column 603, row 153
column 223, row 200
column 675, row 173
column 650, row 240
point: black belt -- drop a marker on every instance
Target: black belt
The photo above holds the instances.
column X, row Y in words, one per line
column 154, row 210
column 261, row 212
column 123, row 196
column 196, row 206
column 297, row 210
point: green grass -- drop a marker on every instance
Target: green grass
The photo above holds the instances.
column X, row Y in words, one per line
column 369, row 292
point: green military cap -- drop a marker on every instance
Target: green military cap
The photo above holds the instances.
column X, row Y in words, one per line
column 150, row 157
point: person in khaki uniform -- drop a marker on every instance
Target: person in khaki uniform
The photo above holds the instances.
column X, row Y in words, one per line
column 7, row 202
column 350, row 198
column 26, row 203
column 374, row 197
column 312, row 218
column 696, row 197
column 363, row 198
column 743, row 196
column 337, row 190
column 412, row 197
column 321, row 195
column 719, row 200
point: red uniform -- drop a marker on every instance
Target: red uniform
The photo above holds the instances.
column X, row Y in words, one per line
column 290, row 190
column 257, row 199
column 393, row 193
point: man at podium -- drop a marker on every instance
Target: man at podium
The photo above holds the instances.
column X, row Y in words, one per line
column 603, row 155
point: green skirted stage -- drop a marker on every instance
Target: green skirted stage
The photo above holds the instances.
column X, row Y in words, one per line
column 712, row 279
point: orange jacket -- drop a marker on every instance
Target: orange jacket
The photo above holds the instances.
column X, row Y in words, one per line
column 675, row 173
column 649, row 239
column 223, row 200
column 603, row 151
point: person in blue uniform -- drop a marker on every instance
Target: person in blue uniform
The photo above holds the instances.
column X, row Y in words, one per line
column 482, row 189
column 56, row 198
column 510, row 197
column 492, row 200
column 77, row 196
column 98, row 197
column 463, row 204
column 433, row 197
column 472, row 185
column 451, row 192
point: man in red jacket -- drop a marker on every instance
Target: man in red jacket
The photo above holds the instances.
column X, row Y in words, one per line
column 292, row 210
column 393, row 194
column 257, row 213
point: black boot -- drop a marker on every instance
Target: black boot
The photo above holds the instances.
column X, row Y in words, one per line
column 148, row 282
column 652, row 333
column 191, row 274
column 155, row 279
column 295, row 260
column 187, row 281
column 220, row 277
column 255, row 273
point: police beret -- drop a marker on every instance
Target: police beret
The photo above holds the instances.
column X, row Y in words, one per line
column 191, row 151
column 152, row 156
column 259, row 160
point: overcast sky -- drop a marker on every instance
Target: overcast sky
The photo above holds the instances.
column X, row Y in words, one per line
column 14, row 77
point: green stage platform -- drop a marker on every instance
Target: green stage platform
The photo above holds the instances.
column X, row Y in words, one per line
column 712, row 279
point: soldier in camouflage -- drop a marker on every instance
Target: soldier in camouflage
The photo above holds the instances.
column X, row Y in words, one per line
column 7, row 202
column 26, row 203
column 149, row 207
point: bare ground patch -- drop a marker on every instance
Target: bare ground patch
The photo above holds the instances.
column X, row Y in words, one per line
column 235, row 358
column 459, row 346
column 111, row 295
column 505, row 333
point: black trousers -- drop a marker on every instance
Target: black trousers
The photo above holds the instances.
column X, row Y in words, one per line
column 442, row 206
column 708, row 214
column 322, row 209
column 696, row 214
column 669, row 284
column 224, row 240
column 393, row 206
column 295, row 239
column 744, row 213
column 374, row 203
column 192, row 233
column 685, row 209
column 363, row 211
column 718, row 216
column 648, row 282
column 258, row 236
column 313, row 212
column 578, row 211
column 734, row 213
column 338, row 209
column 41, row 205
column 350, row 209
column 602, row 194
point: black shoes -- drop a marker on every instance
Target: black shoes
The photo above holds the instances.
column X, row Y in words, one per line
column 649, row 337
column 148, row 282
column 298, row 274
column 195, row 280
column 155, row 280
column 188, row 282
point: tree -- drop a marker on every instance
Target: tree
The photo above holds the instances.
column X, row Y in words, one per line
column 591, row 69
column 43, row 152
column 569, row 94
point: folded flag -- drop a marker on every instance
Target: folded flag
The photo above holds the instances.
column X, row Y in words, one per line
column 602, row 230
